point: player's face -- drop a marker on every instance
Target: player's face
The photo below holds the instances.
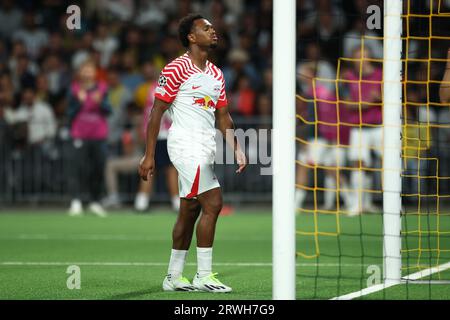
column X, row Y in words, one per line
column 204, row 34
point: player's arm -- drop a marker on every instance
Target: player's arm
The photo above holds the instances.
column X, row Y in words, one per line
column 147, row 164
column 444, row 90
column 226, row 126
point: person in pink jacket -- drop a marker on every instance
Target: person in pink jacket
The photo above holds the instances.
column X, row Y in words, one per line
column 88, row 110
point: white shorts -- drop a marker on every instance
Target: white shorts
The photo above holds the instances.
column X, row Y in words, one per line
column 194, row 178
column 363, row 141
column 321, row 152
column 193, row 156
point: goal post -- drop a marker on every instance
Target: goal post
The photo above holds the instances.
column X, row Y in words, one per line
column 392, row 124
column 283, row 149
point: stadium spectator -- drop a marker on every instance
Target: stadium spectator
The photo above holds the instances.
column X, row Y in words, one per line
column 123, row 10
column 243, row 98
column 130, row 77
column 155, row 14
column 55, row 46
column 132, row 42
column 105, row 43
column 141, row 93
column 40, row 118
column 354, row 38
column 363, row 100
column 84, row 46
column 34, row 38
column 56, row 72
column 23, row 75
column 41, row 129
column 133, row 140
column 42, row 88
column 239, row 64
column 325, row 70
column 88, row 109
column 118, row 98
column 10, row 19
column 329, row 26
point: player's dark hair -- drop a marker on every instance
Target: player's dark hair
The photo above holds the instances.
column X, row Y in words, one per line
column 185, row 27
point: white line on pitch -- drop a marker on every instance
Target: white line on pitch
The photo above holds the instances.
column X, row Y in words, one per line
column 103, row 237
column 159, row 264
column 379, row 287
column 427, row 272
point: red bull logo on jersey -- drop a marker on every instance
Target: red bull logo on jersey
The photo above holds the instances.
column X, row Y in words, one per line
column 205, row 103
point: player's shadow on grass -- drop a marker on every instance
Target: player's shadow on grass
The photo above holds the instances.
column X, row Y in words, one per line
column 135, row 294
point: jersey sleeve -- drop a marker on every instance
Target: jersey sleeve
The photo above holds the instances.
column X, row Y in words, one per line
column 222, row 102
column 169, row 83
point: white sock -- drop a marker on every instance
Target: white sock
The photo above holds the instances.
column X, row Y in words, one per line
column 330, row 192
column 175, row 203
column 141, row 201
column 204, row 261
column 176, row 264
column 300, row 196
column 358, row 178
column 345, row 194
column 368, row 196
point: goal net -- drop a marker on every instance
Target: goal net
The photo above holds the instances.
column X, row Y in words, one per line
column 346, row 136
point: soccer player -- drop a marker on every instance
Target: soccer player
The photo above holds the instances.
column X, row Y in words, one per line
column 193, row 90
column 364, row 106
column 328, row 148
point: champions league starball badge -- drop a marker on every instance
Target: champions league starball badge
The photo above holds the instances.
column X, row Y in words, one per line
column 162, row 81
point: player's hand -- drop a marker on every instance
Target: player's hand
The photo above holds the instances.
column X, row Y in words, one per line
column 146, row 167
column 241, row 160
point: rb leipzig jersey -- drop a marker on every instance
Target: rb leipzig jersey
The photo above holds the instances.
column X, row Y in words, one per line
column 194, row 95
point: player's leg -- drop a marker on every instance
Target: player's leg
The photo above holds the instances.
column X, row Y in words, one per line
column 301, row 180
column 329, row 196
column 78, row 176
column 211, row 202
column 172, row 186
column 205, row 279
column 181, row 238
column 113, row 168
column 326, row 156
column 308, row 156
column 375, row 141
column 97, row 152
column 359, row 155
column 340, row 157
column 184, row 226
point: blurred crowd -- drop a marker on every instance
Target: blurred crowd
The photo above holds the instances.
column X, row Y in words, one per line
column 129, row 43
column 340, row 68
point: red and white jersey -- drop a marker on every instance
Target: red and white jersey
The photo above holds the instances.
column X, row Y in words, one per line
column 194, row 95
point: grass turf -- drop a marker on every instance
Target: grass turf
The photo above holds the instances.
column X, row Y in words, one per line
column 125, row 256
column 124, row 238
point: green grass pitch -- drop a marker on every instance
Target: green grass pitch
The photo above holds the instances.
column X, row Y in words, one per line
column 125, row 256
